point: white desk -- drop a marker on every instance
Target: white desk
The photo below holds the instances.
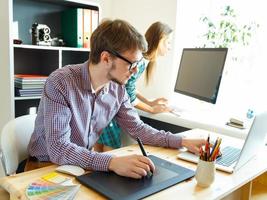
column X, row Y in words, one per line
column 211, row 120
column 223, row 186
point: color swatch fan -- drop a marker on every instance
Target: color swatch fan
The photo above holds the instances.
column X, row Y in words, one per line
column 45, row 190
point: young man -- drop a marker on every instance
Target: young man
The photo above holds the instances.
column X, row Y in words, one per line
column 80, row 100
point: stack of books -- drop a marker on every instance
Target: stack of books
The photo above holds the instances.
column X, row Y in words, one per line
column 28, row 85
column 53, row 187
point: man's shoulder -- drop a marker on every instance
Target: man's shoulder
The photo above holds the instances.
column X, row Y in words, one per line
column 66, row 73
column 70, row 69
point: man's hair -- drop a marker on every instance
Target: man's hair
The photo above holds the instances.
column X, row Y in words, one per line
column 116, row 35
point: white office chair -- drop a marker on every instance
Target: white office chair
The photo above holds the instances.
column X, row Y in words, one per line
column 14, row 140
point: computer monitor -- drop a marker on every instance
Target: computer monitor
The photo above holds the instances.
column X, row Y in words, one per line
column 200, row 73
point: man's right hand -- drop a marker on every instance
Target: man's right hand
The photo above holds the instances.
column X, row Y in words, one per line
column 134, row 166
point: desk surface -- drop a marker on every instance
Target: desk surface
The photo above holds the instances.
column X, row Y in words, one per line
column 211, row 120
column 224, row 183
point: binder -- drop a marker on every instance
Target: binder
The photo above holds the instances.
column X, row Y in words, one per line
column 87, row 27
column 95, row 19
column 72, row 27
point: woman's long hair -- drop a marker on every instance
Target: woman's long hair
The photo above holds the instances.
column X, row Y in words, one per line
column 154, row 34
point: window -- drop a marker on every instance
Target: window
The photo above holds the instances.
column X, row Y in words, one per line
column 243, row 82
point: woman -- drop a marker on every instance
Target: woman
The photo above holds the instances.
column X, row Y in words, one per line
column 158, row 39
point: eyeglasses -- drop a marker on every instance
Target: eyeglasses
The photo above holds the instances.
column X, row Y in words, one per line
column 132, row 64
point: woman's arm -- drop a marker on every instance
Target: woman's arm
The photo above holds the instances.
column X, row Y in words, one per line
column 152, row 103
column 153, row 107
column 142, row 98
column 156, row 106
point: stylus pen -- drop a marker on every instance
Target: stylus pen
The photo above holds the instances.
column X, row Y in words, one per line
column 143, row 151
column 141, row 147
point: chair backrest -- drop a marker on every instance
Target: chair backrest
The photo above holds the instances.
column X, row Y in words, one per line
column 14, row 140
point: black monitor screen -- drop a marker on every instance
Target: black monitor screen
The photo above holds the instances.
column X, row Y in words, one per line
column 200, row 73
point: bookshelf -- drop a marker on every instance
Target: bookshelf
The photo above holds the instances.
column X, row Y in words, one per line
column 32, row 59
column 26, row 58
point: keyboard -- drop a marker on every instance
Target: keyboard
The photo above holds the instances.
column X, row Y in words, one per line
column 229, row 156
column 176, row 110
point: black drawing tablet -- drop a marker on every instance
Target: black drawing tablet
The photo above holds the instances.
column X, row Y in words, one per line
column 118, row 187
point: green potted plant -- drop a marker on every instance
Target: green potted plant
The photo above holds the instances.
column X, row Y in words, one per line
column 226, row 32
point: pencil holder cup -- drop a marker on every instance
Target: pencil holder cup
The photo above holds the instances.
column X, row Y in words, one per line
column 205, row 173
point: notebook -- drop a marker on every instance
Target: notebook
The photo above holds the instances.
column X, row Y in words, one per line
column 234, row 158
column 118, row 187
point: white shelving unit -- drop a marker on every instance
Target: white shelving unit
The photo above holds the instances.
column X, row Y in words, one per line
column 25, row 98
column 26, row 58
column 27, row 46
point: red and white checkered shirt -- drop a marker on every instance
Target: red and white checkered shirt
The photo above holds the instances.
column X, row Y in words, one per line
column 71, row 116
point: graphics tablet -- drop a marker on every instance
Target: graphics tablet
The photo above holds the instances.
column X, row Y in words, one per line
column 118, row 187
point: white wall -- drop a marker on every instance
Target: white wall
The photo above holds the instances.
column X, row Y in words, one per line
column 105, row 7
column 142, row 13
column 6, row 85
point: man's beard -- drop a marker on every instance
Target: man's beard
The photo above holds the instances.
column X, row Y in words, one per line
column 113, row 67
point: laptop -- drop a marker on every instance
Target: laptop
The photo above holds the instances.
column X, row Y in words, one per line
column 234, row 158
